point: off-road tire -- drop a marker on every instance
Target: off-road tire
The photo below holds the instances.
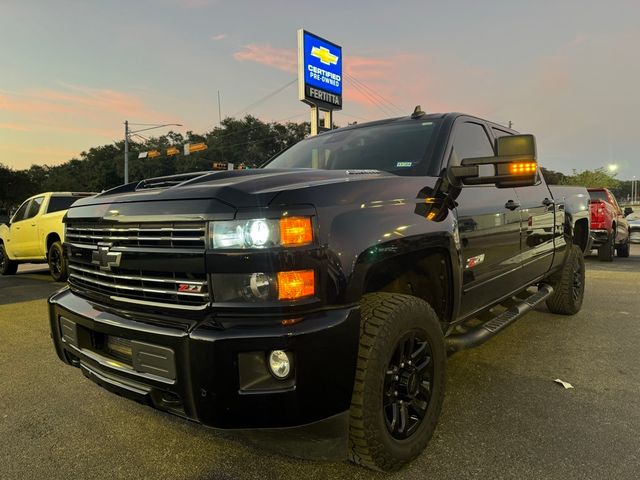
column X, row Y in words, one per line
column 607, row 249
column 568, row 284
column 7, row 266
column 623, row 250
column 57, row 263
column 385, row 319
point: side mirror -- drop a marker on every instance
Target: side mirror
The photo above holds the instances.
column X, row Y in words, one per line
column 515, row 164
column 628, row 211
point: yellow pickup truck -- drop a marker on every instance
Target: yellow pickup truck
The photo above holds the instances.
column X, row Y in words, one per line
column 35, row 234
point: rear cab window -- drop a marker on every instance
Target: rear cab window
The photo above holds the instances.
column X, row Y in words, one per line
column 61, row 202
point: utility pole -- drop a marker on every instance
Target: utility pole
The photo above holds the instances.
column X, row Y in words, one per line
column 219, row 111
column 510, row 123
column 126, row 151
column 127, row 132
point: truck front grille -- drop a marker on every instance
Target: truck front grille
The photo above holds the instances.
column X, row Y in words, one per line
column 146, row 265
column 182, row 236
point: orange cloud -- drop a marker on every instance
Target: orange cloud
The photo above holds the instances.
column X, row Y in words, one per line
column 74, row 99
column 14, row 126
column 280, row 58
column 18, row 103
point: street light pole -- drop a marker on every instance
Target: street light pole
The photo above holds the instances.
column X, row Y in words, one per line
column 126, row 151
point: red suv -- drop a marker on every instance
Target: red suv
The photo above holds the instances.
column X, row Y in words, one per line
column 609, row 227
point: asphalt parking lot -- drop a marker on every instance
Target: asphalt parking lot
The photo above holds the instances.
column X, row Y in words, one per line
column 503, row 416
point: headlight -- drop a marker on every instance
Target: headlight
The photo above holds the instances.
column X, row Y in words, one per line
column 261, row 233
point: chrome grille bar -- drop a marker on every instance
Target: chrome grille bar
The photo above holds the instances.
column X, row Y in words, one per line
column 141, row 279
column 190, row 236
column 136, row 289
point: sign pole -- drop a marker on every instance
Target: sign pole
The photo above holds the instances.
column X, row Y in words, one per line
column 126, row 151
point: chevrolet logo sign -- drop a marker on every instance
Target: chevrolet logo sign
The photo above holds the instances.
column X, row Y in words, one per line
column 324, row 55
column 105, row 258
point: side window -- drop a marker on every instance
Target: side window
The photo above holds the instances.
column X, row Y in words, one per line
column 20, row 214
column 470, row 141
column 34, row 208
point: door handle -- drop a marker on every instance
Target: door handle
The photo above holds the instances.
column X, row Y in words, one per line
column 511, row 205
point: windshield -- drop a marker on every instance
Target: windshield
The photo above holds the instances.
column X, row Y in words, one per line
column 402, row 147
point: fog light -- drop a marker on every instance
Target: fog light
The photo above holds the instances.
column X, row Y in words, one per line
column 279, row 364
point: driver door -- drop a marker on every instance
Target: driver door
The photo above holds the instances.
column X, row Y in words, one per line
column 19, row 234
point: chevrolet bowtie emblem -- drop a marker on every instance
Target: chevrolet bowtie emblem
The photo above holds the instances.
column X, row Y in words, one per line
column 324, row 55
column 105, row 258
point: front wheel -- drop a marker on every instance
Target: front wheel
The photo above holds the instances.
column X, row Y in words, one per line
column 57, row 263
column 568, row 284
column 7, row 266
column 400, row 381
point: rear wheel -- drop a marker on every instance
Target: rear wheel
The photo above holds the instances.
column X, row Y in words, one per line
column 7, row 266
column 623, row 250
column 57, row 263
column 400, row 381
column 607, row 249
column 568, row 284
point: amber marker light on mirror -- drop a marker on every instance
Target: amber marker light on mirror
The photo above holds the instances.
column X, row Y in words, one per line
column 296, row 284
column 295, row 231
column 520, row 168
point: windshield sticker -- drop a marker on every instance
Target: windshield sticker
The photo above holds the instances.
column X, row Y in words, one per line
column 404, row 164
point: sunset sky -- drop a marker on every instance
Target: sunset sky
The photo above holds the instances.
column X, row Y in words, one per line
column 71, row 71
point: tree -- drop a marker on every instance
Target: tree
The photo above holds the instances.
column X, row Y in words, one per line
column 248, row 141
column 592, row 178
column 552, row 177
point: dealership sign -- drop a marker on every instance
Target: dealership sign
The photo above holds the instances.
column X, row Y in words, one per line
column 319, row 71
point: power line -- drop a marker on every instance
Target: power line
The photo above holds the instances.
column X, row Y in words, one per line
column 375, row 101
column 266, row 97
column 373, row 92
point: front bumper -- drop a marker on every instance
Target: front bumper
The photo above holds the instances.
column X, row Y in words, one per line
column 214, row 375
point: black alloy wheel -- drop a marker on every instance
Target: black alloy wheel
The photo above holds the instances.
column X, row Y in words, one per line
column 568, row 284
column 577, row 290
column 408, row 385
column 57, row 262
column 399, row 382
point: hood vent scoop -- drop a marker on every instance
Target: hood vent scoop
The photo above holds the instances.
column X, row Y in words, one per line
column 363, row 172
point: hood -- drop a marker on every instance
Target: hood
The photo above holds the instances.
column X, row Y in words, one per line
column 237, row 188
column 218, row 195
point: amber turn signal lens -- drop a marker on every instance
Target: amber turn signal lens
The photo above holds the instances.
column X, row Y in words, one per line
column 296, row 284
column 295, row 231
column 520, row 168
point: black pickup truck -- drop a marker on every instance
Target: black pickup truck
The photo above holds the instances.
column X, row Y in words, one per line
column 324, row 289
